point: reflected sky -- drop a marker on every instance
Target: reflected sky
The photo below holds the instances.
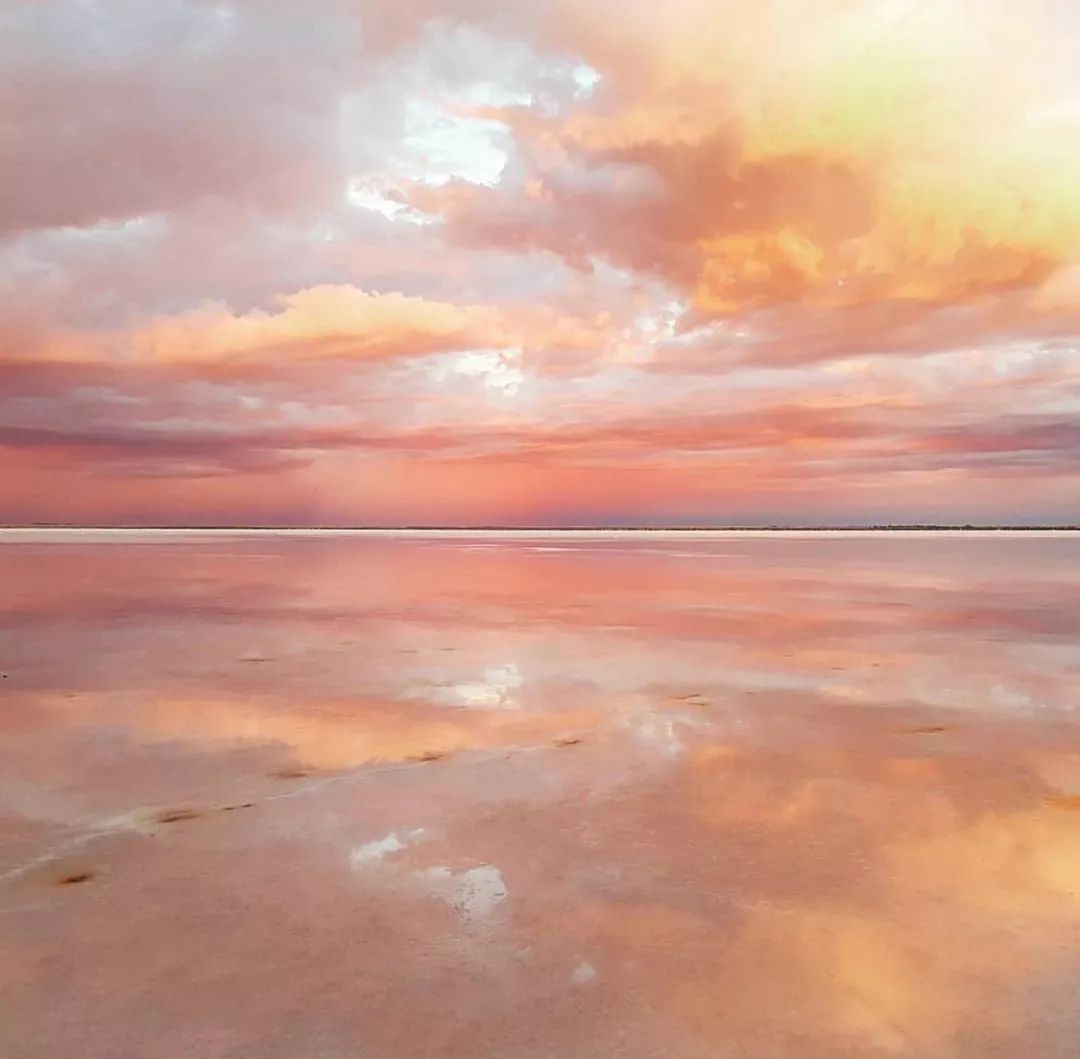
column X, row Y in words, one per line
column 557, row 796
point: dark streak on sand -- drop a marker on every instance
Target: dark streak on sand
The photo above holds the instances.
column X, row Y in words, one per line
column 430, row 755
column 176, row 816
column 75, row 877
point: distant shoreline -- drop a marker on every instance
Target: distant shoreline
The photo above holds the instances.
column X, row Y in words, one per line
column 508, row 531
column 730, row 528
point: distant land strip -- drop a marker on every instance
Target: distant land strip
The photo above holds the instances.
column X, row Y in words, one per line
column 853, row 528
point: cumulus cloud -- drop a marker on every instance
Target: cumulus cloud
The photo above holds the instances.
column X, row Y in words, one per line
column 718, row 254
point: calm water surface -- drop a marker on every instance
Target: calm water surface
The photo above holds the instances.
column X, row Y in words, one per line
column 319, row 797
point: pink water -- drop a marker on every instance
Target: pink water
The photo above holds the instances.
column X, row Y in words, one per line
column 336, row 796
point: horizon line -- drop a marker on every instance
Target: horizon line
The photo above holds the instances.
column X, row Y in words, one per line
column 760, row 527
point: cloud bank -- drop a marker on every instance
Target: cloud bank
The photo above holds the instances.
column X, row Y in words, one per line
column 349, row 262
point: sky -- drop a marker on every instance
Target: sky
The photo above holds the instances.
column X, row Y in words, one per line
column 542, row 262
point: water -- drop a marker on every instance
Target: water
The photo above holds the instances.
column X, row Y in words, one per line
column 269, row 795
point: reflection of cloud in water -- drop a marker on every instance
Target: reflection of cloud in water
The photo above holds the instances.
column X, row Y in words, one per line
column 822, row 799
column 474, row 893
column 583, row 974
column 496, row 690
column 374, row 851
column 658, row 732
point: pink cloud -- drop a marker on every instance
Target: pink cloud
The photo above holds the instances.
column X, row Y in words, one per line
column 729, row 259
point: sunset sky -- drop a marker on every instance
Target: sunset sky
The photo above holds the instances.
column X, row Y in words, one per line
column 539, row 262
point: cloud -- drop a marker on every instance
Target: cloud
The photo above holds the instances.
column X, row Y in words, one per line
column 119, row 110
column 324, row 321
column 802, row 155
column 529, row 260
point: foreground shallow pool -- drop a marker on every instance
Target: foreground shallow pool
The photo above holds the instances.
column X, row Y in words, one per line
column 317, row 796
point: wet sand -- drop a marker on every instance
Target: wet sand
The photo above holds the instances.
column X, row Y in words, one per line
column 332, row 794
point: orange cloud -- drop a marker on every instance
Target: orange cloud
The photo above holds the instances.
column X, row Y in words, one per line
column 326, row 321
column 830, row 154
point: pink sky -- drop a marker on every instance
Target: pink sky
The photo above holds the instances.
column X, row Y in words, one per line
column 540, row 262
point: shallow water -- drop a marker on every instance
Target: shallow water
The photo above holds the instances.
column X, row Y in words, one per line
column 550, row 796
